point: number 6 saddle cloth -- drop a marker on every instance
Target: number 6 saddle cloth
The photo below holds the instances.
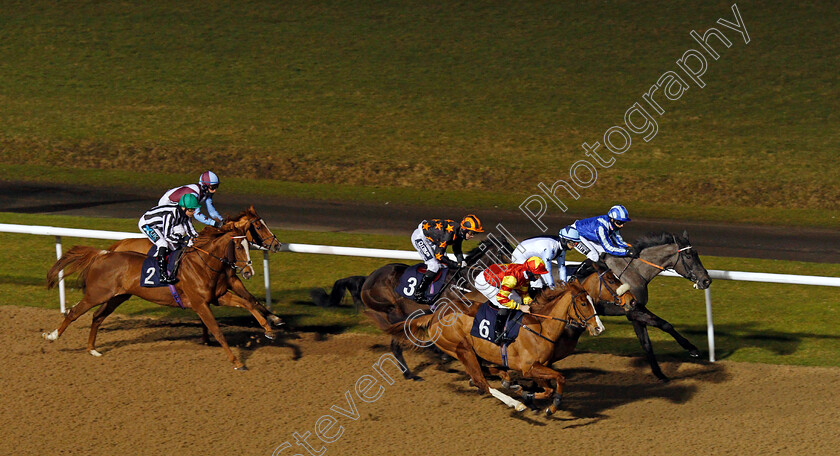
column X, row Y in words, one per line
column 150, row 276
column 411, row 278
column 485, row 323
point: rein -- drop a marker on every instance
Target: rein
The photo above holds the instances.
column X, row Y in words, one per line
column 691, row 277
column 223, row 261
column 581, row 323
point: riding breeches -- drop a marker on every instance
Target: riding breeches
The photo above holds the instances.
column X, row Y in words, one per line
column 592, row 250
column 157, row 238
column 425, row 249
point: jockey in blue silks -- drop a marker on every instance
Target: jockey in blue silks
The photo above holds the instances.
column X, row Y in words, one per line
column 601, row 234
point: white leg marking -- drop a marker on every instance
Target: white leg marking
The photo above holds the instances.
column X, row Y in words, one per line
column 95, row 353
column 50, row 336
column 507, row 400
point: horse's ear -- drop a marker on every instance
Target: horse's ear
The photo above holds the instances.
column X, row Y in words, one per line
column 685, row 234
column 602, row 258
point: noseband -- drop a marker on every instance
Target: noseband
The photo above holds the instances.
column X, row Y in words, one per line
column 257, row 241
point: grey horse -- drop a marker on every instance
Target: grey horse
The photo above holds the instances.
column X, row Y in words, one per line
column 657, row 252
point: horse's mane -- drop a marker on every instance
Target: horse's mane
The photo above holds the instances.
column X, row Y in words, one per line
column 208, row 234
column 663, row 238
column 250, row 212
column 547, row 297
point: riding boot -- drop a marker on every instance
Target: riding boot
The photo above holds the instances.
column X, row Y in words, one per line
column 425, row 281
column 499, row 330
column 162, row 257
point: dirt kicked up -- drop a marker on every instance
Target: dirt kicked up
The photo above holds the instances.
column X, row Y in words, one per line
column 158, row 390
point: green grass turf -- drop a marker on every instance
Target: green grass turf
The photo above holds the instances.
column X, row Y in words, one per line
column 754, row 322
column 482, row 100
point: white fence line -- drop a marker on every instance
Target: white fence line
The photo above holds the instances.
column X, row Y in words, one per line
column 58, row 232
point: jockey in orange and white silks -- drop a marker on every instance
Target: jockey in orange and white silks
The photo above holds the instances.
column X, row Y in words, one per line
column 432, row 237
column 601, row 234
column 208, row 182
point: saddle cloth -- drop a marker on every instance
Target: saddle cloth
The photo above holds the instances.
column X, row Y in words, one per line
column 150, row 277
column 485, row 323
column 411, row 278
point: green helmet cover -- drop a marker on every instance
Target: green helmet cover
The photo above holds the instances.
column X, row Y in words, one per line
column 188, row 201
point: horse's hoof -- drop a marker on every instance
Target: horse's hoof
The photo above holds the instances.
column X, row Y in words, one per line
column 472, row 383
column 515, row 388
column 417, row 378
column 520, row 407
column 241, row 368
column 505, row 384
column 664, row 379
column 50, row 336
column 95, row 353
column 549, row 412
column 694, row 353
column 270, row 335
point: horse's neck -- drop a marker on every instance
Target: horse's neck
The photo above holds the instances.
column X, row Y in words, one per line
column 636, row 274
column 560, row 308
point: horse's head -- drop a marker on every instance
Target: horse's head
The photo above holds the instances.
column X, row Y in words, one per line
column 582, row 313
column 671, row 251
column 239, row 256
column 255, row 228
column 688, row 263
column 605, row 287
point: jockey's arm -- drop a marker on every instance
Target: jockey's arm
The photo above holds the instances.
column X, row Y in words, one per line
column 561, row 265
column 608, row 245
column 620, row 240
column 203, row 218
column 211, row 210
column 548, row 278
column 503, row 296
column 169, row 231
column 457, row 249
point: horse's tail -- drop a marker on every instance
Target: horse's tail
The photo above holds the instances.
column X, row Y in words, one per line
column 415, row 325
column 353, row 284
column 76, row 260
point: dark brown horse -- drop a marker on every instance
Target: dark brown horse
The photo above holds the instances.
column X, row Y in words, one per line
column 530, row 354
column 258, row 235
column 379, row 297
column 110, row 278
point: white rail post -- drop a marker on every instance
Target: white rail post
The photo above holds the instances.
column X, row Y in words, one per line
column 710, row 326
column 267, row 280
column 61, row 298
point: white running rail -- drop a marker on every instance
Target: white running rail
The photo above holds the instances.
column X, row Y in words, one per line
column 59, row 232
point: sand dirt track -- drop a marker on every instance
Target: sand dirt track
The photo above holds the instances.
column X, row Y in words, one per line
column 158, row 390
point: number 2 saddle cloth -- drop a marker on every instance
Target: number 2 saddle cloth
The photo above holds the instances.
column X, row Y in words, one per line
column 150, row 278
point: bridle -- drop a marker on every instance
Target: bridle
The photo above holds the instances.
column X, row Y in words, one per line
column 230, row 260
column 680, row 257
column 576, row 321
column 257, row 241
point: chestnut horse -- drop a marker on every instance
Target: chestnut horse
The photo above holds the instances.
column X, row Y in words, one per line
column 259, row 236
column 110, row 278
column 530, row 353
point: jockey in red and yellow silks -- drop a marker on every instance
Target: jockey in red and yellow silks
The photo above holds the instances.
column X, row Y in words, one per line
column 499, row 281
column 513, row 277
